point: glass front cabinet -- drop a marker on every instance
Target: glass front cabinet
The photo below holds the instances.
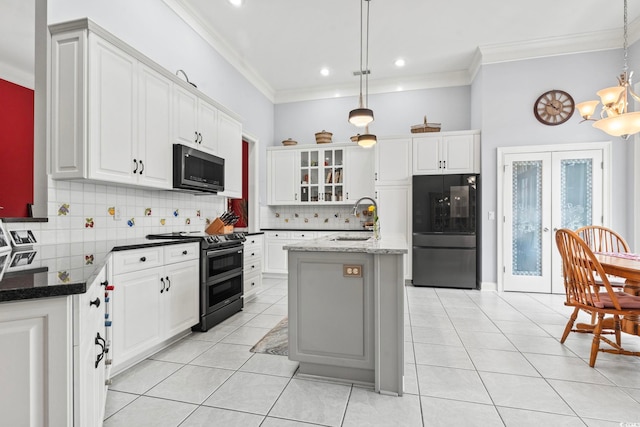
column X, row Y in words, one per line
column 322, row 175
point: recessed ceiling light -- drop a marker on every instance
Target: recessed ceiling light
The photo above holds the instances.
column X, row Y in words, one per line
column 325, row 71
column 236, row 3
column 399, row 62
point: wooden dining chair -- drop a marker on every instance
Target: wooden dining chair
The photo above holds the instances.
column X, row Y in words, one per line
column 580, row 267
column 604, row 240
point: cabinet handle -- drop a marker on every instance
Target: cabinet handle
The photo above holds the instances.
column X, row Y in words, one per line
column 142, row 165
column 162, row 280
column 143, row 259
column 196, row 138
column 347, row 195
column 444, row 164
column 169, row 283
column 101, row 342
column 296, row 196
column 375, row 176
column 184, row 252
column 95, row 302
column 376, row 195
column 135, row 162
column 199, row 138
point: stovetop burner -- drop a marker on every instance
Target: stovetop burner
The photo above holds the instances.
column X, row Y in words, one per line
column 208, row 241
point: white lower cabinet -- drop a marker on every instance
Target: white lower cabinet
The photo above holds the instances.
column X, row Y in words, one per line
column 91, row 353
column 252, row 273
column 36, row 362
column 275, row 257
column 154, row 302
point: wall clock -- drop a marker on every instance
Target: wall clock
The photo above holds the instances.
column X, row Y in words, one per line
column 553, row 107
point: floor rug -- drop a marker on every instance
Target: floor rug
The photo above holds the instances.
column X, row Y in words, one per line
column 276, row 341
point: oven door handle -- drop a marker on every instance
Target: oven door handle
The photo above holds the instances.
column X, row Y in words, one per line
column 217, row 252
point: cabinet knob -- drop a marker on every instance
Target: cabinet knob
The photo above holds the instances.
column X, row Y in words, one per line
column 252, row 253
column 143, row 259
column 95, row 302
column 253, row 241
column 105, row 283
column 184, row 252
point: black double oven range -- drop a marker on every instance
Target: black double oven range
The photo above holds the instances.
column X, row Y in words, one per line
column 221, row 280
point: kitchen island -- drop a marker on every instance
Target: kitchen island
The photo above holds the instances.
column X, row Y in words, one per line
column 346, row 309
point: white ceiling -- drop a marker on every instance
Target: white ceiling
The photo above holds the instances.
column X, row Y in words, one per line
column 281, row 45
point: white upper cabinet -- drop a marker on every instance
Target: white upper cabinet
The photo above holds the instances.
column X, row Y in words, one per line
column 154, row 129
column 115, row 114
column 446, row 153
column 112, row 112
column 282, row 177
column 110, row 115
column 393, row 161
column 196, row 121
column 230, row 149
column 360, row 172
column 311, row 174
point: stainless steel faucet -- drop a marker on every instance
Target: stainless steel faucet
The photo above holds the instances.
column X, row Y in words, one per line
column 355, row 207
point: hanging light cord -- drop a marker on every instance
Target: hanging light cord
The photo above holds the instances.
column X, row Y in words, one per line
column 361, row 71
column 367, row 63
column 626, row 42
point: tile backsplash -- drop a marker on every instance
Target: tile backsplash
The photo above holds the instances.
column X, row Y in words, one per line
column 318, row 217
column 86, row 212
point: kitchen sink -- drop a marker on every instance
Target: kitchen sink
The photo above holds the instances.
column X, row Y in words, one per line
column 352, row 238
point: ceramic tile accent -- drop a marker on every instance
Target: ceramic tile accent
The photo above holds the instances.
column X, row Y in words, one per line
column 84, row 212
column 318, row 217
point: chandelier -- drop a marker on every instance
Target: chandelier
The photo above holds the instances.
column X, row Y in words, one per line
column 363, row 116
column 615, row 119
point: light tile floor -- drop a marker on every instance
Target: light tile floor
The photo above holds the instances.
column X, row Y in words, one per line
column 472, row 359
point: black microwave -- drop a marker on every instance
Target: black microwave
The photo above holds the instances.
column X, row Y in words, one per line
column 197, row 170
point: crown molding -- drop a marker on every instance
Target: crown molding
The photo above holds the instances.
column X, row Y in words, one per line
column 209, row 35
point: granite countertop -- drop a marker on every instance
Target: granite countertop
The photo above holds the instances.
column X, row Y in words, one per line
column 346, row 242
column 42, row 271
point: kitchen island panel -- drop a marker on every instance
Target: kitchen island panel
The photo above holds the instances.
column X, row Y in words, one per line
column 334, row 316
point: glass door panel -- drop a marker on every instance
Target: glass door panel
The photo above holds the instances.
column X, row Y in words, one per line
column 543, row 192
column 526, row 259
column 527, row 218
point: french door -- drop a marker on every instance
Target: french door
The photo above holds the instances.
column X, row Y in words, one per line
column 542, row 192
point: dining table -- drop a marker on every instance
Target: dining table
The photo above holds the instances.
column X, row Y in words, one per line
column 627, row 266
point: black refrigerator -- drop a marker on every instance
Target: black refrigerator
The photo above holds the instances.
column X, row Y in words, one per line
column 445, row 224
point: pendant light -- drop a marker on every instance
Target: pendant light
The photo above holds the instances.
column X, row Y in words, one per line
column 615, row 119
column 363, row 116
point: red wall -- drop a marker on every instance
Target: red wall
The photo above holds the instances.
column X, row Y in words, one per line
column 16, row 149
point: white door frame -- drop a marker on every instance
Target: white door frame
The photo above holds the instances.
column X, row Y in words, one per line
column 606, row 186
column 254, row 181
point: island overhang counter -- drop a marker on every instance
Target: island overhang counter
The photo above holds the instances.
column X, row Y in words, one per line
column 346, row 309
